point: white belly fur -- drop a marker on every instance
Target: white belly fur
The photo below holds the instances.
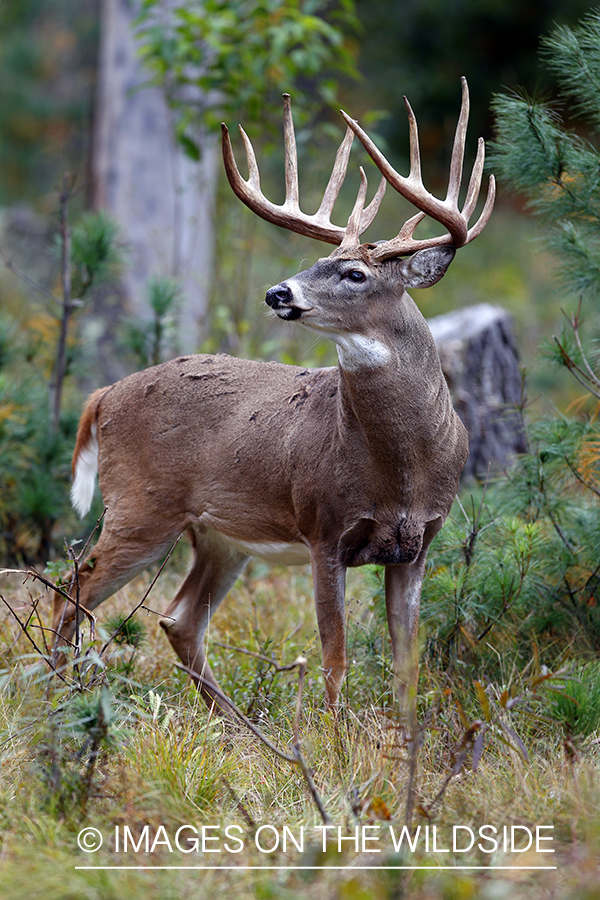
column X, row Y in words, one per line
column 274, row 552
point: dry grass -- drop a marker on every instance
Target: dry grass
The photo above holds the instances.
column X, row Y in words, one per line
column 171, row 764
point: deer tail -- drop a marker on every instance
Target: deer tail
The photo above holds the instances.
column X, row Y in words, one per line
column 85, row 457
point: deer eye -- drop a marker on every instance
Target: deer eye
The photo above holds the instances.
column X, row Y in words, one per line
column 355, row 275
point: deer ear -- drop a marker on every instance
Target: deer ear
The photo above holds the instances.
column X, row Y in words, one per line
column 425, row 267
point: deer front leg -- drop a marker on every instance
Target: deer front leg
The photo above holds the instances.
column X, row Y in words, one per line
column 329, row 587
column 403, row 599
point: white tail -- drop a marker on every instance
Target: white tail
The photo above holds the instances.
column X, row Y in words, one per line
column 340, row 467
column 84, row 476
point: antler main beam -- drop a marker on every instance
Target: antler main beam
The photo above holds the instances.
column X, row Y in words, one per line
column 412, row 188
column 289, row 215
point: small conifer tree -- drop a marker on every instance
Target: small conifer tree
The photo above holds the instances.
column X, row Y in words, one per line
column 537, row 154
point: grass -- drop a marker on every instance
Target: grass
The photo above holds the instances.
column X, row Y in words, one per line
column 163, row 760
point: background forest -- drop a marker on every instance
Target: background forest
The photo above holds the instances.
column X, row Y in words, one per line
column 93, row 286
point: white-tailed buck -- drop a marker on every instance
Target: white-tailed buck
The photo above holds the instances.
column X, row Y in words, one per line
column 339, row 466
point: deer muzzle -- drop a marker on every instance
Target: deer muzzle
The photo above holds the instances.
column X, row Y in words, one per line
column 281, row 299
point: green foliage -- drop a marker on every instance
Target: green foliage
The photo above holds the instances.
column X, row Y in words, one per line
column 98, row 255
column 35, row 444
column 151, row 342
column 34, row 463
column 126, row 630
column 556, row 169
column 79, row 727
column 522, row 569
column 216, row 58
column 578, row 707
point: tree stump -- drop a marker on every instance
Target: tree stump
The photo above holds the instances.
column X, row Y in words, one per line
column 480, row 361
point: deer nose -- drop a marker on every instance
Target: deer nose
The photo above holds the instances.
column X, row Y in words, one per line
column 280, row 295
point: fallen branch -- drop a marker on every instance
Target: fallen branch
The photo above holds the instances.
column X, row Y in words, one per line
column 297, row 759
column 301, row 663
column 260, row 656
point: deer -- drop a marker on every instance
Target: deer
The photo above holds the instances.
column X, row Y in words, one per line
column 337, row 467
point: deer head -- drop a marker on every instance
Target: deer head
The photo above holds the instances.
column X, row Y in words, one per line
column 363, row 272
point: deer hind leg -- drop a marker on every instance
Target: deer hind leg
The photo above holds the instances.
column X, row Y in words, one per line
column 215, row 568
column 111, row 564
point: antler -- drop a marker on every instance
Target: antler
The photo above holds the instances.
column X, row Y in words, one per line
column 289, row 214
column 444, row 211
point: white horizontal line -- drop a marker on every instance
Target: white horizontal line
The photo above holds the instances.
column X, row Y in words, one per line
column 324, row 868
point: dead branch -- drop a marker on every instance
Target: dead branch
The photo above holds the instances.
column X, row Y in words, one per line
column 301, row 663
column 259, row 656
column 23, row 628
column 37, row 576
column 297, row 759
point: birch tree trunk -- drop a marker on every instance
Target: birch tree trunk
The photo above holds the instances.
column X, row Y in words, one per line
column 162, row 199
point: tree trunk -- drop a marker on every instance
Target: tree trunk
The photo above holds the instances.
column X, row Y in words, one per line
column 480, row 360
column 162, row 199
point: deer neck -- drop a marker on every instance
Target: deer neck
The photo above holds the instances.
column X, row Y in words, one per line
column 392, row 390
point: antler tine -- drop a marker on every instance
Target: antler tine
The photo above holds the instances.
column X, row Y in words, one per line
column 245, row 190
column 368, row 214
column 338, row 174
column 351, row 238
column 486, row 212
column 336, row 180
column 475, row 181
column 412, row 188
column 292, row 193
column 458, row 148
column 413, row 137
column 289, row 214
column 253, row 173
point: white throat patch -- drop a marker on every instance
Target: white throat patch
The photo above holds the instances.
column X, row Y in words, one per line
column 355, row 351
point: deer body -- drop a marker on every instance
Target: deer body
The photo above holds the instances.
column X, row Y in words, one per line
column 339, row 466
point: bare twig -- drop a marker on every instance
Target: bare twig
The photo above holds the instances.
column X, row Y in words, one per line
column 240, row 715
column 91, row 534
column 75, row 561
column 155, row 612
column 561, row 535
column 580, row 477
column 23, row 628
column 24, row 276
column 249, row 820
column 574, row 321
column 297, row 759
column 46, row 628
column 458, row 759
column 576, row 370
column 33, row 573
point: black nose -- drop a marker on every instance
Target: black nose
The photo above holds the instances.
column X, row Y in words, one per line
column 280, row 295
